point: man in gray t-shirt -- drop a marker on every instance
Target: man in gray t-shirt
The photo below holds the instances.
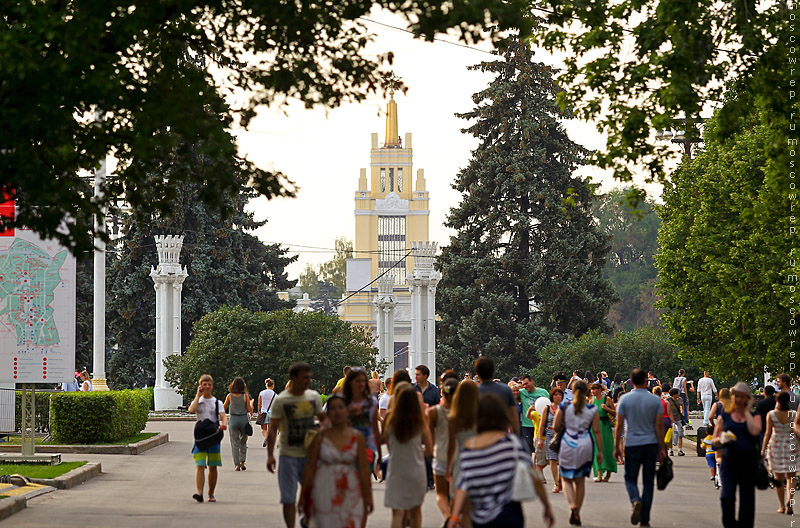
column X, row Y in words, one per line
column 644, row 443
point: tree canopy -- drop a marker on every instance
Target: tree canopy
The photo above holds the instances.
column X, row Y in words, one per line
column 227, row 264
column 725, row 267
column 525, row 265
column 636, row 66
column 232, row 341
column 629, row 267
column 84, row 78
column 645, row 348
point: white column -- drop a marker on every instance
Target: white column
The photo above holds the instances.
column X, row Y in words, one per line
column 381, row 340
column 168, row 278
column 430, row 358
column 99, row 323
column 422, row 283
column 390, row 337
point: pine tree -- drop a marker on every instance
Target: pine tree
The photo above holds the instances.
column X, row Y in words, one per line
column 227, row 265
column 525, row 267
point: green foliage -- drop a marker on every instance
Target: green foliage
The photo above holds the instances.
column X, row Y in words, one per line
column 635, row 67
column 726, row 262
column 629, row 267
column 226, row 263
column 97, row 417
column 334, row 271
column 42, row 418
column 525, row 265
column 149, row 66
column 309, row 281
column 646, row 348
column 40, row 471
column 232, row 342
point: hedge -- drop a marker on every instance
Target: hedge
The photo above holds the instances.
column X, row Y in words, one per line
column 97, row 417
column 42, row 412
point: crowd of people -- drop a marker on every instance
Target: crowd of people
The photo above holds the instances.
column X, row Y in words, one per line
column 465, row 437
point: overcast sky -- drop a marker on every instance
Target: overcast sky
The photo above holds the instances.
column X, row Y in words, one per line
column 322, row 151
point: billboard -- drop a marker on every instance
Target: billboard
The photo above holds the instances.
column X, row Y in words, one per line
column 37, row 309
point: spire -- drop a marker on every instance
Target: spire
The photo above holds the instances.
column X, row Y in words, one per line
column 392, row 136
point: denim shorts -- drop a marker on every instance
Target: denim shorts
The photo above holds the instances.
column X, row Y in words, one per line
column 290, row 473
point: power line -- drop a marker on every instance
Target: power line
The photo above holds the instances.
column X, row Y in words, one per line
column 436, row 39
column 373, row 280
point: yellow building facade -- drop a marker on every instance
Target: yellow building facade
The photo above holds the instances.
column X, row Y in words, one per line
column 391, row 212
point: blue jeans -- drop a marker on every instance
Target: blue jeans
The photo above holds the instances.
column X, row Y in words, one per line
column 644, row 456
column 526, row 433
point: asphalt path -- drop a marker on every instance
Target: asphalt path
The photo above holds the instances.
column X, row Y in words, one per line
column 155, row 489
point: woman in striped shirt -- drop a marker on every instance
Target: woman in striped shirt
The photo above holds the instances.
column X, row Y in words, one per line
column 487, row 472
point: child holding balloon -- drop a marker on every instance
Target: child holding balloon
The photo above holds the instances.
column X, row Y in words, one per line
column 534, row 414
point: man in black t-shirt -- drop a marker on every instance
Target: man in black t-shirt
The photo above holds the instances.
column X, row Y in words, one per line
column 763, row 408
column 484, row 367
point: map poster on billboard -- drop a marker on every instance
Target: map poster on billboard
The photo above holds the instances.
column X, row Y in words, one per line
column 37, row 309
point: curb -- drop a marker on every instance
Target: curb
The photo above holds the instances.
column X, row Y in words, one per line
column 73, row 478
column 131, row 449
column 11, row 505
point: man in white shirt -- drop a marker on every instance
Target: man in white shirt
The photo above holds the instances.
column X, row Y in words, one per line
column 706, row 393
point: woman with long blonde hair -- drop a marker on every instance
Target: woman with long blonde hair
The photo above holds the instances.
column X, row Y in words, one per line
column 462, row 426
column 405, row 431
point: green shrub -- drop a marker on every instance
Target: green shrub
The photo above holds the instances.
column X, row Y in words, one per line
column 98, row 417
column 42, row 411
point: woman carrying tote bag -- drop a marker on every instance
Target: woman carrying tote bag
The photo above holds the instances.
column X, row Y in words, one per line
column 491, row 495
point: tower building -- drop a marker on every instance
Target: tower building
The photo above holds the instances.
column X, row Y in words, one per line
column 391, row 212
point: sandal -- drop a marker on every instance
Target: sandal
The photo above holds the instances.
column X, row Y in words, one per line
column 197, row 497
column 211, row 498
column 608, row 477
column 242, row 466
column 789, row 509
column 598, row 479
column 238, row 468
column 556, row 489
column 574, row 518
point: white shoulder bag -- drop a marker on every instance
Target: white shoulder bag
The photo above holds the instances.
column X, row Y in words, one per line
column 522, row 487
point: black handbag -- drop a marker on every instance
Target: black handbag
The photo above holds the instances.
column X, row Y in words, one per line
column 762, row 476
column 207, row 432
column 664, row 474
column 555, row 443
column 248, row 429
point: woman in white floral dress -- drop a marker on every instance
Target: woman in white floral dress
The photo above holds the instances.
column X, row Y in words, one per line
column 781, row 451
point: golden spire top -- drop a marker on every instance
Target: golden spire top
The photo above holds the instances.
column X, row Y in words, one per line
column 392, row 135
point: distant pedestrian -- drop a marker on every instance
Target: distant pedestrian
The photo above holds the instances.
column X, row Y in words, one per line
column 293, row 414
column 528, row 394
column 784, row 382
column 652, row 381
column 484, row 366
column 362, row 410
column 706, row 393
column 577, row 448
column 736, row 432
column 684, row 386
column 547, row 432
column 763, row 408
column 240, row 406
column 490, row 492
column 336, row 490
column 265, row 399
column 374, row 385
column 780, row 449
column 206, row 406
column 431, row 396
column 462, row 426
column 405, row 434
column 439, row 423
column 712, row 458
column 674, row 403
column 339, row 387
column 606, row 411
column 383, row 401
column 725, row 402
column 644, row 443
column 560, row 382
column 86, row 382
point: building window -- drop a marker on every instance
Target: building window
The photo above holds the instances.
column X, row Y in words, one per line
column 383, row 180
column 392, row 247
column 399, row 179
column 391, row 180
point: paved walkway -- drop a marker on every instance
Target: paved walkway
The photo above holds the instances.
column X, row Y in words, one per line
column 155, row 488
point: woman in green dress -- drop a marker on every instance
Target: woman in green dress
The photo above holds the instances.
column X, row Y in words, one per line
column 606, row 410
